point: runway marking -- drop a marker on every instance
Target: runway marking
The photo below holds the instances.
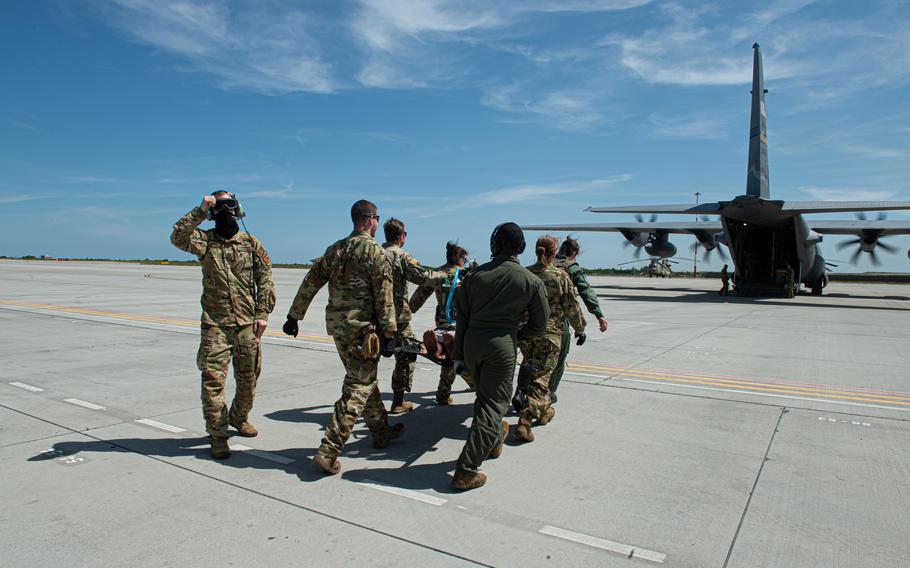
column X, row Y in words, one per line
column 277, row 458
column 619, row 548
column 84, row 404
column 802, row 398
column 415, row 495
column 160, row 425
column 853, row 396
column 830, row 393
column 164, row 320
column 29, row 388
column 852, row 422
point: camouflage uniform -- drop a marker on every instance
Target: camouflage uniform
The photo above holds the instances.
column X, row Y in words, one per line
column 405, row 268
column 359, row 276
column 442, row 291
column 236, row 289
column 589, row 298
column 542, row 351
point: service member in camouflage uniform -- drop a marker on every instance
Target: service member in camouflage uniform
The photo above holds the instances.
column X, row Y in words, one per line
column 491, row 302
column 405, row 268
column 360, row 306
column 237, row 297
column 445, row 313
column 541, row 353
column 565, row 258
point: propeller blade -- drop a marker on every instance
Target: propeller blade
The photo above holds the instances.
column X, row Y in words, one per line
column 844, row 244
column 855, row 257
column 637, row 253
column 721, row 253
column 639, row 218
column 873, row 256
column 886, row 247
column 882, row 215
column 653, row 217
column 861, row 216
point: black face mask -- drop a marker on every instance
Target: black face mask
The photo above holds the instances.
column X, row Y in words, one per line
column 226, row 224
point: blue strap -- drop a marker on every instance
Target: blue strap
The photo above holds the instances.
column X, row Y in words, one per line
column 451, row 294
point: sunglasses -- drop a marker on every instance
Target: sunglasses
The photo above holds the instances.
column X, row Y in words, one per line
column 226, row 204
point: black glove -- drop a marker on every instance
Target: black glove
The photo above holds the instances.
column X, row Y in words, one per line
column 290, row 327
column 459, row 367
column 580, row 339
column 387, row 347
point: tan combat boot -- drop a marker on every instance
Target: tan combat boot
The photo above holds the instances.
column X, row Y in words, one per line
column 382, row 438
column 399, row 405
column 330, row 466
column 443, row 398
column 497, row 451
column 464, row 481
column 245, row 429
column 545, row 419
column 220, row 449
column 523, row 431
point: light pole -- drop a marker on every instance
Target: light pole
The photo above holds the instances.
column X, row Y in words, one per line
column 695, row 256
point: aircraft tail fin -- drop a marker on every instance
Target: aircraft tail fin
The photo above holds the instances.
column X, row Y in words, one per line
column 757, row 176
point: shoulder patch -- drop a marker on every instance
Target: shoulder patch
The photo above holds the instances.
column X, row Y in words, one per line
column 264, row 257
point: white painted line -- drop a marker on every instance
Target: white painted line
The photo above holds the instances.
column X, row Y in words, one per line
column 619, row 548
column 277, row 458
column 27, row 387
column 82, row 403
column 415, row 495
column 160, row 425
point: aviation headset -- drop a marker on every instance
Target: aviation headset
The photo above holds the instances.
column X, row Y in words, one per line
column 238, row 212
column 496, row 244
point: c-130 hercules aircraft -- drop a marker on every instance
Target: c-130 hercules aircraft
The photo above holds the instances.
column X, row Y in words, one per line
column 767, row 238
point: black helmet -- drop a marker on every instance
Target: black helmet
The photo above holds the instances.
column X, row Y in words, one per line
column 507, row 238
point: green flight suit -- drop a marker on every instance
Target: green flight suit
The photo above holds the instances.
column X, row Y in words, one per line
column 491, row 302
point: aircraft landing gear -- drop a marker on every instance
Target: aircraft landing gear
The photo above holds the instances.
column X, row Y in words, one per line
column 816, row 290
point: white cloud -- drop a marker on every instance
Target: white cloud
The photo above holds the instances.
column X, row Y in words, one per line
column 578, row 110
column 540, row 192
column 17, row 198
column 266, row 50
column 845, row 194
column 693, row 126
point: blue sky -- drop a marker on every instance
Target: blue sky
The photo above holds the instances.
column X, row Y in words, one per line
column 116, row 117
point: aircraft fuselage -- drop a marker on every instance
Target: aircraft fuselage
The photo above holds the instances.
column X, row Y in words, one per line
column 771, row 249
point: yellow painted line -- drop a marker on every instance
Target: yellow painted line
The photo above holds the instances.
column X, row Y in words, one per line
column 819, row 390
column 146, row 318
column 768, row 387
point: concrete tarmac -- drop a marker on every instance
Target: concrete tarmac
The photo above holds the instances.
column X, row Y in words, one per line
column 699, row 431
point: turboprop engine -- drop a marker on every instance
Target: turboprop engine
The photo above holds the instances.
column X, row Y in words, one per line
column 659, row 245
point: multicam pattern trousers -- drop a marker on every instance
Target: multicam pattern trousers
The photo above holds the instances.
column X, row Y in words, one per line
column 359, row 397
column 403, row 375
column 541, row 353
column 219, row 346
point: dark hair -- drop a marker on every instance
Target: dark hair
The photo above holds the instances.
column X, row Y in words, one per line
column 545, row 249
column 454, row 253
column 569, row 247
column 361, row 210
column 393, row 229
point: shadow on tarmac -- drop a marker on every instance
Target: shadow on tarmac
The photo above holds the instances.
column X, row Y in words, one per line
column 425, row 427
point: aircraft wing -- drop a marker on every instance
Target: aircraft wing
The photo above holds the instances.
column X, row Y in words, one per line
column 682, row 227
column 843, row 206
column 881, row 227
column 679, row 208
